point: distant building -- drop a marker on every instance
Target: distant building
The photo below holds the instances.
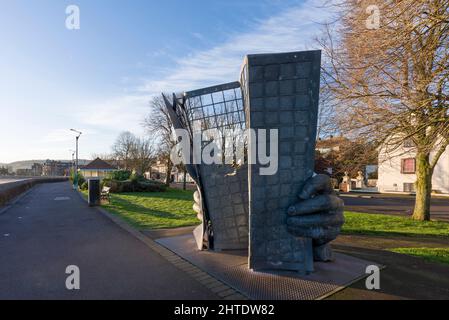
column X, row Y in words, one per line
column 397, row 170
column 4, row 171
column 97, row 169
column 53, row 168
column 325, row 146
column 159, row 172
column 324, row 149
column 36, row 169
column 24, row 172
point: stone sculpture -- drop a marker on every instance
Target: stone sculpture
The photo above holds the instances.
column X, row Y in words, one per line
column 285, row 219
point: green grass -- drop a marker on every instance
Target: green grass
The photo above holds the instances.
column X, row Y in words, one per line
column 429, row 254
column 171, row 209
column 154, row 210
column 385, row 225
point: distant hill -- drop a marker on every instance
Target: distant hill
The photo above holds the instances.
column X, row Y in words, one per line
column 27, row 164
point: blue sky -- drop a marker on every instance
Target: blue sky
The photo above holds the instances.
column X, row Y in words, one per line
column 100, row 78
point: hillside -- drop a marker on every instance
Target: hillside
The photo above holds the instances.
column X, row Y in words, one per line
column 27, row 164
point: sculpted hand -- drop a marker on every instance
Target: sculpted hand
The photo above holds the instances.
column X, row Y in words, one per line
column 197, row 205
column 318, row 215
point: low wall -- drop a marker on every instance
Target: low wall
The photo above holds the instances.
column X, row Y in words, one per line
column 10, row 190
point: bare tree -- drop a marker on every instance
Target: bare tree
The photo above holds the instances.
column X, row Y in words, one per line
column 123, row 147
column 386, row 65
column 143, row 155
column 159, row 126
column 104, row 156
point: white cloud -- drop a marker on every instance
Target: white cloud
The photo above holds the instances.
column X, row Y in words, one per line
column 119, row 113
column 293, row 29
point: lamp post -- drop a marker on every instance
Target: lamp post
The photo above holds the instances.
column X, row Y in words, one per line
column 75, row 179
column 73, row 159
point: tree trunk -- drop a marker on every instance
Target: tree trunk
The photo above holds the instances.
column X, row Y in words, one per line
column 184, row 180
column 168, row 172
column 423, row 187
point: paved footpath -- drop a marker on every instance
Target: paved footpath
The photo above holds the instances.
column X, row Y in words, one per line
column 41, row 236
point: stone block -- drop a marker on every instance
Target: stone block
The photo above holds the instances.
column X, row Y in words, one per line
column 286, row 118
column 303, row 69
column 257, row 73
column 287, row 103
column 256, row 89
column 288, row 71
column 287, row 87
column 272, row 104
column 301, row 86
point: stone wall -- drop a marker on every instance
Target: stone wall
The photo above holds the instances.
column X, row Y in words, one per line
column 9, row 191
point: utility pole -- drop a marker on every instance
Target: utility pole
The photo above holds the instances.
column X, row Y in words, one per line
column 75, row 179
column 73, row 160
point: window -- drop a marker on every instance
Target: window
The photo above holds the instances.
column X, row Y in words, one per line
column 408, row 143
column 408, row 165
column 409, row 187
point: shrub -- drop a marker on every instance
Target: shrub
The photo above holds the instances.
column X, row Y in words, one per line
column 151, row 186
column 120, row 175
column 81, row 179
column 134, row 186
column 84, row 186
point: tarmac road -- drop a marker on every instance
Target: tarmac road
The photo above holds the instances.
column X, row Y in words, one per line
column 393, row 204
column 51, row 228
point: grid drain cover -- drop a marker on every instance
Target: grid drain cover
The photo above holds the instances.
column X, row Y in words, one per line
column 269, row 286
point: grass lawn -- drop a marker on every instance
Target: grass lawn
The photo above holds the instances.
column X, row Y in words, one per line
column 429, row 254
column 171, row 209
column 154, row 210
column 385, row 225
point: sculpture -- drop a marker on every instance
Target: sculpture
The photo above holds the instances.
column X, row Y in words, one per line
column 287, row 218
column 360, row 180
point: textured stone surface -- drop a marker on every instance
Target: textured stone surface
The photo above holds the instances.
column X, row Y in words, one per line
column 285, row 88
column 226, row 194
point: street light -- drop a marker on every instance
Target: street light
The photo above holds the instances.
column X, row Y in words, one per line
column 75, row 179
column 73, row 159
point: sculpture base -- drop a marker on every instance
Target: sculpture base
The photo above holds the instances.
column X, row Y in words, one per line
column 231, row 267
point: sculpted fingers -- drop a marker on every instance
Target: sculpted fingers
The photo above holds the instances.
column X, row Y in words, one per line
column 317, row 204
column 320, row 235
column 196, row 197
column 318, row 184
column 197, row 205
column 334, row 218
column 197, row 208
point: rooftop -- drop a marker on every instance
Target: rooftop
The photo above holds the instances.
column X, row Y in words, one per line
column 98, row 164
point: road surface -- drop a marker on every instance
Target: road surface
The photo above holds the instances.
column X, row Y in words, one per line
column 51, row 228
column 393, row 204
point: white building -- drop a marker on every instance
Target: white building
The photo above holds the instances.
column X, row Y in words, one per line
column 97, row 169
column 397, row 170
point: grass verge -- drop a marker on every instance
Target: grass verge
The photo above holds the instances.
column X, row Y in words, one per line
column 385, row 225
column 429, row 254
column 173, row 208
column 154, row 210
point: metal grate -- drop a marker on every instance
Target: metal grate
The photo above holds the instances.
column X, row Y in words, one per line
column 217, row 107
column 231, row 267
column 271, row 286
